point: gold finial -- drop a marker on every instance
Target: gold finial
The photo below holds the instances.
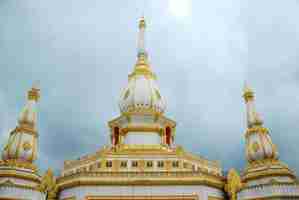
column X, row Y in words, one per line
column 34, row 93
column 48, row 185
column 248, row 93
column 142, row 23
column 234, row 184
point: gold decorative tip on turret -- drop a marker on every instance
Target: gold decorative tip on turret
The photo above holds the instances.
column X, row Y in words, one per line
column 248, row 93
column 234, row 184
column 142, row 23
column 34, row 94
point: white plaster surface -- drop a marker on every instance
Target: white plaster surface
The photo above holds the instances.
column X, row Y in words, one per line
column 82, row 191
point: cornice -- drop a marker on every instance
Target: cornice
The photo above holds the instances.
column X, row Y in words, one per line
column 140, row 178
column 11, row 184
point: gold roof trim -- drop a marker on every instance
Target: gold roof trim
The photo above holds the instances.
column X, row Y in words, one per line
column 269, row 172
column 142, row 128
column 11, row 184
column 148, row 197
column 25, row 128
column 18, row 164
column 140, row 178
column 136, row 151
column 20, row 175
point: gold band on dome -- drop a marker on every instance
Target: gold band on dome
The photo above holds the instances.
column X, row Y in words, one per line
column 258, row 130
column 33, row 94
column 18, row 164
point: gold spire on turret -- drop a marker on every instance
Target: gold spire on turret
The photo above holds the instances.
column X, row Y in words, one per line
column 142, row 23
column 248, row 93
column 141, row 52
column 261, row 152
column 253, row 118
column 33, row 94
column 29, row 114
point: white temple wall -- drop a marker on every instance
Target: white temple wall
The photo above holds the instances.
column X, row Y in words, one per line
column 20, row 193
column 142, row 138
column 82, row 191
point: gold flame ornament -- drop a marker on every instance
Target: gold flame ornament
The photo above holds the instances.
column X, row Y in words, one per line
column 234, row 184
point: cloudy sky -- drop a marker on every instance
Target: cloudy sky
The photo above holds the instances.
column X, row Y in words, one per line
column 202, row 52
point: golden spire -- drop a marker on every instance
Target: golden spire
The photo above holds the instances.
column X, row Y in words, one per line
column 29, row 113
column 33, row 94
column 248, row 93
column 142, row 66
column 253, row 118
column 142, row 23
column 141, row 39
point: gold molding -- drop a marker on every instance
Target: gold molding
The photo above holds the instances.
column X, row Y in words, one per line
column 257, row 130
column 275, row 197
column 140, row 178
column 25, row 128
column 18, row 164
column 139, row 197
column 141, row 128
column 9, row 183
column 13, row 174
column 215, row 198
column 70, row 198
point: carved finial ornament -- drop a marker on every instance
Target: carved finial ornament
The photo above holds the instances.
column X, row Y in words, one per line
column 234, row 184
column 48, row 185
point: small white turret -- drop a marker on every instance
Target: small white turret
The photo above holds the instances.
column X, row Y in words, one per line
column 259, row 145
column 22, row 142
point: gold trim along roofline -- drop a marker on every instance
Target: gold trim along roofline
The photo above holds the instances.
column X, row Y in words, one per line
column 140, row 178
column 268, row 173
column 107, row 152
column 9, row 183
column 149, row 197
column 20, row 175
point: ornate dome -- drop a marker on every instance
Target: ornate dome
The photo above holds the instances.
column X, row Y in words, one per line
column 142, row 93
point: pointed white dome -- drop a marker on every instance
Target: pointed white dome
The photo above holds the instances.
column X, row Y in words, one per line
column 142, row 93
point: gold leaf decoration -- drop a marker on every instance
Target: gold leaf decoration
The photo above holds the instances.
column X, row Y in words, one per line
column 27, row 146
column 48, row 185
column 234, row 184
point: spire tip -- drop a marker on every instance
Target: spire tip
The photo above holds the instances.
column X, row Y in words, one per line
column 248, row 93
column 34, row 92
column 142, row 23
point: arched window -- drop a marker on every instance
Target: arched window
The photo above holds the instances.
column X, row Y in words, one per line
column 168, row 135
column 116, row 135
